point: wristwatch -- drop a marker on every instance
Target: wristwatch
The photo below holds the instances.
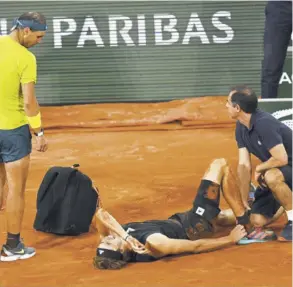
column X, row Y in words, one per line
column 39, row 134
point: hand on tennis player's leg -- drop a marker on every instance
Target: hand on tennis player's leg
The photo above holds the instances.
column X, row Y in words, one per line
column 237, row 233
column 232, row 195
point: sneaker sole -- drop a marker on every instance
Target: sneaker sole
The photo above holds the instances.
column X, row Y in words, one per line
column 250, row 241
column 16, row 257
column 245, row 241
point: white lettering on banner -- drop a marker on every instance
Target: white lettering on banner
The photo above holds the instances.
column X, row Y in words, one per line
column 285, row 78
column 3, row 27
column 123, row 32
column 223, row 27
column 167, row 28
column 58, row 34
column 141, row 30
column 194, row 21
column 89, row 25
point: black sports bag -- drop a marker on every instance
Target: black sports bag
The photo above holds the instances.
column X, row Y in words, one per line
column 66, row 202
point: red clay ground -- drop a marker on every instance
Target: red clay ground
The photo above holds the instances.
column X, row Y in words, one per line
column 141, row 175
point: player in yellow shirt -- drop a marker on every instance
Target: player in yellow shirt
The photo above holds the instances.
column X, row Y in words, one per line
column 19, row 109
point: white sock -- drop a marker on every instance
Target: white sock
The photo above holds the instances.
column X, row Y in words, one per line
column 290, row 214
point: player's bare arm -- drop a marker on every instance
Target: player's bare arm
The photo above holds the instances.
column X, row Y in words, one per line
column 32, row 111
column 244, row 174
column 160, row 245
column 279, row 158
column 31, row 105
column 110, row 224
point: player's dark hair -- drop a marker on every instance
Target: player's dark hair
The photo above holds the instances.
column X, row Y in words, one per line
column 245, row 98
column 108, row 263
column 34, row 16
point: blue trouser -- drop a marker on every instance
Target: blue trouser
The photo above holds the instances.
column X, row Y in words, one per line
column 277, row 35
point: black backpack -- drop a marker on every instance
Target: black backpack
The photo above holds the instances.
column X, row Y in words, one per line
column 66, row 202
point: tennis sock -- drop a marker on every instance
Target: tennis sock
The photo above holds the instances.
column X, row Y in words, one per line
column 12, row 239
column 243, row 220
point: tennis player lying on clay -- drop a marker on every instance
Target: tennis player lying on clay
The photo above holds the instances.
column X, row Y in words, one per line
column 181, row 233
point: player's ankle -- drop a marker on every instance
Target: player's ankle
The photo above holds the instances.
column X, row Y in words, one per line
column 12, row 239
column 249, row 228
column 244, row 219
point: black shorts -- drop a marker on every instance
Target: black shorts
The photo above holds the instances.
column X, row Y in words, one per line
column 264, row 200
column 207, row 201
column 197, row 221
column 142, row 230
column 264, row 203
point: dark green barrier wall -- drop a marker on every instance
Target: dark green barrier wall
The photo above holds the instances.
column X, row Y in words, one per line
column 144, row 50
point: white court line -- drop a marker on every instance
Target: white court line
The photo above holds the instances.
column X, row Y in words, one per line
column 135, row 0
column 276, row 100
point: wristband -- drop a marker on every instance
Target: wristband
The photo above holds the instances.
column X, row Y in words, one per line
column 39, row 134
column 35, row 122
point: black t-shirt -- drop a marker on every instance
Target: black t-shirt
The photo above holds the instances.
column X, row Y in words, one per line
column 265, row 132
column 142, row 230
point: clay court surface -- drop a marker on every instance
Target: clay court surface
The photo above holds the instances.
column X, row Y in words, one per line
column 147, row 161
